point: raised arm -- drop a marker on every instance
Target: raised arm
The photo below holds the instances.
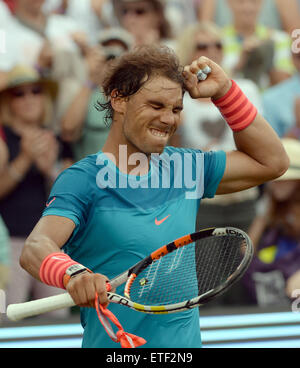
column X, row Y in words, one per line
column 260, row 156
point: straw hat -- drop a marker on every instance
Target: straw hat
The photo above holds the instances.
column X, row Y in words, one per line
column 21, row 75
column 292, row 147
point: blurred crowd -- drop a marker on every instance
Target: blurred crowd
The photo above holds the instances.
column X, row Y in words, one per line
column 53, row 55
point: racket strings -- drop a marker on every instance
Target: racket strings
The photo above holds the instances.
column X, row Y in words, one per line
column 217, row 261
column 167, row 279
column 189, row 271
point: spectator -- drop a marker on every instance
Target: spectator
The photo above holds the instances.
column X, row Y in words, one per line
column 145, row 20
column 6, row 26
column 3, row 81
column 277, row 14
column 5, row 15
column 180, row 14
column 203, row 128
column 92, row 16
column 45, row 42
column 282, row 106
column 254, row 51
column 11, row 4
column 96, row 15
column 4, row 242
column 276, row 236
column 3, row 150
column 30, row 28
column 55, row 6
column 114, row 42
column 25, row 111
column 83, row 125
column 4, row 257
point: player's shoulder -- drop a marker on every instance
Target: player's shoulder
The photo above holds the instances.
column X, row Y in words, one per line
column 197, row 157
column 81, row 171
column 185, row 152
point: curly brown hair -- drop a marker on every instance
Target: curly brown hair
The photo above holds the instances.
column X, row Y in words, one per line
column 128, row 73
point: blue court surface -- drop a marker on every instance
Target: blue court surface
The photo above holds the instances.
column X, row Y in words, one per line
column 247, row 328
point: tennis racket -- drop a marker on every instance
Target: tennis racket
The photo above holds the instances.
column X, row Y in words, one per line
column 181, row 275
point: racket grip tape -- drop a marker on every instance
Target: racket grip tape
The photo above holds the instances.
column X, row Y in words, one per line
column 16, row 312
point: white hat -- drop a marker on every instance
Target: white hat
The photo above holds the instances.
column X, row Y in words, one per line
column 292, row 147
column 116, row 34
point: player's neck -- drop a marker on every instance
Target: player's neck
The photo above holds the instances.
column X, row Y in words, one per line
column 122, row 153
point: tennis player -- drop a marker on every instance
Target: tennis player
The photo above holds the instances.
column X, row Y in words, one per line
column 103, row 214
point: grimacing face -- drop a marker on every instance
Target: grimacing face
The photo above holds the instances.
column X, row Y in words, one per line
column 152, row 116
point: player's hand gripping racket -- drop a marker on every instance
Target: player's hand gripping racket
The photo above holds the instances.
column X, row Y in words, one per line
column 183, row 274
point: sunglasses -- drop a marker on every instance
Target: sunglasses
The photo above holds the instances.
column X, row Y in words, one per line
column 206, row 46
column 22, row 92
column 136, row 11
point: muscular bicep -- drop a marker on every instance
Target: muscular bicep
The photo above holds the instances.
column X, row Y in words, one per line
column 241, row 172
column 259, row 158
column 49, row 236
column 57, row 228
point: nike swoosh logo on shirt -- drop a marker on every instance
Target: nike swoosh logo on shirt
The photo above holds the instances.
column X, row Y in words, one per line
column 48, row 204
column 161, row 221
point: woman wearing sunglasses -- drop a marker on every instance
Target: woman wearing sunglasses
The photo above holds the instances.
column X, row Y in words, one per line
column 26, row 114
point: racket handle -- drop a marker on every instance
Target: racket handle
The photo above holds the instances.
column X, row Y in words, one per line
column 16, row 312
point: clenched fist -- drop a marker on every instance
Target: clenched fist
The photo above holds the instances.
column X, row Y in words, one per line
column 215, row 86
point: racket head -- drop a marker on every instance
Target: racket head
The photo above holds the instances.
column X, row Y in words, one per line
column 189, row 271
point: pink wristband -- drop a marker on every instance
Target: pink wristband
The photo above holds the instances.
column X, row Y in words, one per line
column 236, row 109
column 53, row 269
